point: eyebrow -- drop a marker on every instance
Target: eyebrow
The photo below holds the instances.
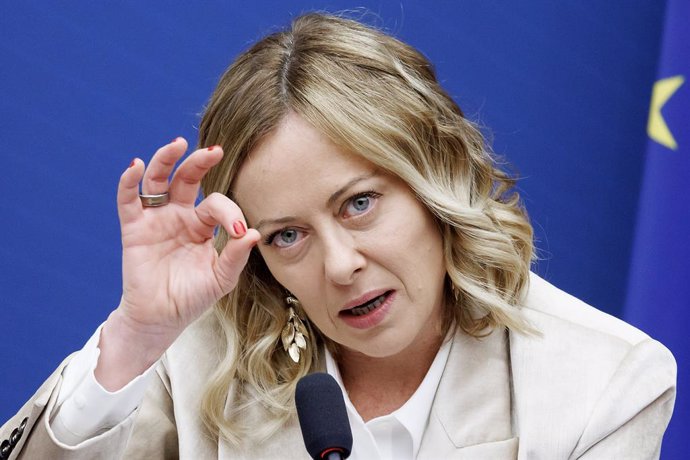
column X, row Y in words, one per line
column 332, row 199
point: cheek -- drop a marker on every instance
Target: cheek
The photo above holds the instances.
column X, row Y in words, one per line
column 420, row 248
column 304, row 282
column 413, row 232
column 279, row 272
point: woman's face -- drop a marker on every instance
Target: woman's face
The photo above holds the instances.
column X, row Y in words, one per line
column 353, row 244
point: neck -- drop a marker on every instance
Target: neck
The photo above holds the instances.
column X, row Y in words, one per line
column 379, row 386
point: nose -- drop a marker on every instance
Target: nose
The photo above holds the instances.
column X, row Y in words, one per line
column 343, row 259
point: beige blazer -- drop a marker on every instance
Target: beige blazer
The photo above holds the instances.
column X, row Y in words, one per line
column 589, row 387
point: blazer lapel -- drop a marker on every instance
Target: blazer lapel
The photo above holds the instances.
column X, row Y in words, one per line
column 471, row 413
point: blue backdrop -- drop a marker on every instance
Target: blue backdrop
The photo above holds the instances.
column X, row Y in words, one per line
column 659, row 291
column 563, row 88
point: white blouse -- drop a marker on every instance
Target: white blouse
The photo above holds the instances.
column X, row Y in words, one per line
column 397, row 435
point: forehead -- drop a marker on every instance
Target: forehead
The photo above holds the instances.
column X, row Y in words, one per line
column 293, row 165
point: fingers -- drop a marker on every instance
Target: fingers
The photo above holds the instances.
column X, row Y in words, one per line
column 184, row 187
column 234, row 257
column 128, row 203
column 218, row 209
column 161, row 165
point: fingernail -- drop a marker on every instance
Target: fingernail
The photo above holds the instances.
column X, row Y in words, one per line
column 213, row 147
column 239, row 228
column 134, row 161
column 175, row 140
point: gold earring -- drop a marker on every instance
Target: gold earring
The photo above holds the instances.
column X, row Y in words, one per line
column 294, row 335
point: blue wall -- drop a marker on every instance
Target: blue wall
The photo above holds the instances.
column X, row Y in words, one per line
column 563, row 88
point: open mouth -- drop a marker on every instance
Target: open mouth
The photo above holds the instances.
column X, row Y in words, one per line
column 367, row 307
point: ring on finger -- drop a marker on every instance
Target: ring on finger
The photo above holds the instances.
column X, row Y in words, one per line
column 154, row 201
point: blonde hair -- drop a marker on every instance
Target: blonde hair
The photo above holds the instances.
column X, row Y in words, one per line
column 376, row 97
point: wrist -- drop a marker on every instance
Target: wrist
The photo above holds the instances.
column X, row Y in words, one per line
column 128, row 349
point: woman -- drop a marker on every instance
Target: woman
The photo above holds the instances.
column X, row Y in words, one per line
column 385, row 247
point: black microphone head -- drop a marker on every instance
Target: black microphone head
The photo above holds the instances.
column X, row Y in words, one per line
column 322, row 415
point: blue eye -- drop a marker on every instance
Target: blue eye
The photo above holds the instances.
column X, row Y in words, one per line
column 285, row 238
column 360, row 204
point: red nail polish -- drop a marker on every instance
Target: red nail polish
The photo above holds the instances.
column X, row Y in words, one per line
column 133, row 163
column 239, row 228
column 175, row 140
column 211, row 148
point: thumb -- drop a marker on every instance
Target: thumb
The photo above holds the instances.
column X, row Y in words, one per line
column 233, row 258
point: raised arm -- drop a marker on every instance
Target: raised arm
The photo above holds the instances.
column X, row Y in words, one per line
column 171, row 274
column 171, row 270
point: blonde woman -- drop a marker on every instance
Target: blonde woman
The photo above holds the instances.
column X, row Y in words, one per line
column 363, row 229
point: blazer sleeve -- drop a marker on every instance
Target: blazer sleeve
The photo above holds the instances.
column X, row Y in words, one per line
column 634, row 410
column 149, row 432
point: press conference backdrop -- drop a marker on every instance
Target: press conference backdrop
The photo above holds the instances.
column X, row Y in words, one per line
column 563, row 88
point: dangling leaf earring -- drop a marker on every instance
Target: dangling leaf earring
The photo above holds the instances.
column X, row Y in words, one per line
column 294, row 335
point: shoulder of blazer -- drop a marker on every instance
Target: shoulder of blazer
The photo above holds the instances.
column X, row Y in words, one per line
column 562, row 376
column 545, row 300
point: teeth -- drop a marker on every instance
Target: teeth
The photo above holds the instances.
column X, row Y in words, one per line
column 369, row 306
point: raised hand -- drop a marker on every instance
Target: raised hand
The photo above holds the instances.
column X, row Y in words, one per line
column 171, row 271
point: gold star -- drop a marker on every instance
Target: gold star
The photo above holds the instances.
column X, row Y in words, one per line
column 656, row 125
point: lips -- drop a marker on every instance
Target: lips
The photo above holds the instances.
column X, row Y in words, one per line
column 368, row 306
column 368, row 310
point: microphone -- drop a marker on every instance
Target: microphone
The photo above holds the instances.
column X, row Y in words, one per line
column 323, row 417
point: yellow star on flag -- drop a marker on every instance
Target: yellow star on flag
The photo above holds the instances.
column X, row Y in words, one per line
column 656, row 125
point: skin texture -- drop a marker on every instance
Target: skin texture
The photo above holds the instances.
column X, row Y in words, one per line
column 347, row 230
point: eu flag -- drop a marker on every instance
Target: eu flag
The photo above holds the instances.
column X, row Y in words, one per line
column 659, row 285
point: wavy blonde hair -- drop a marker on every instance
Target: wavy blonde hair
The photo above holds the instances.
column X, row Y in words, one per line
column 376, row 97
